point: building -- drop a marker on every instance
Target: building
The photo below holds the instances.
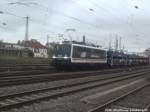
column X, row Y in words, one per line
column 38, row 49
column 147, row 52
column 10, row 45
column 12, row 49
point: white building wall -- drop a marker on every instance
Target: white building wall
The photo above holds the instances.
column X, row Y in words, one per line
column 41, row 54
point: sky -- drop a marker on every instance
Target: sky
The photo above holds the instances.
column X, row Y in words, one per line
column 101, row 21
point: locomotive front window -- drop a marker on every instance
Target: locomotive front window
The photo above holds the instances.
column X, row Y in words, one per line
column 62, row 50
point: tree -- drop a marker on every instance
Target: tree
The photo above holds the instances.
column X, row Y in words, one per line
column 50, row 52
column 27, row 53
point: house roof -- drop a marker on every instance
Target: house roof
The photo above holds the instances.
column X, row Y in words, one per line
column 33, row 44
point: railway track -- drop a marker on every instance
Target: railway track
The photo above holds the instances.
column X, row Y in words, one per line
column 16, row 65
column 26, row 73
column 147, row 107
column 103, row 107
column 9, row 68
column 29, row 97
column 139, row 100
column 12, row 68
column 23, row 78
column 7, row 71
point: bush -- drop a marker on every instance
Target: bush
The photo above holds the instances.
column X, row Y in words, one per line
column 50, row 52
column 27, row 53
column 22, row 60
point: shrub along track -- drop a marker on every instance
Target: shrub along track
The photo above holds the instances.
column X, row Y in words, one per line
column 29, row 97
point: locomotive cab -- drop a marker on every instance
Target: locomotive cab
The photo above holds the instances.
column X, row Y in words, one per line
column 62, row 55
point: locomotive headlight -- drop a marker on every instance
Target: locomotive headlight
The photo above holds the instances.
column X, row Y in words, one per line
column 54, row 56
column 66, row 57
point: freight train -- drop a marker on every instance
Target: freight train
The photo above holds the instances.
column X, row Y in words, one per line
column 71, row 54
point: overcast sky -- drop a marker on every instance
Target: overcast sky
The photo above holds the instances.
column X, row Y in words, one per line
column 100, row 21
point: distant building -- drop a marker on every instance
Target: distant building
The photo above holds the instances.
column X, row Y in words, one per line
column 13, row 45
column 147, row 52
column 10, row 46
column 12, row 49
column 38, row 49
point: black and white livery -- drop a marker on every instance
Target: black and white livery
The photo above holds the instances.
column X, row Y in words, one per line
column 74, row 54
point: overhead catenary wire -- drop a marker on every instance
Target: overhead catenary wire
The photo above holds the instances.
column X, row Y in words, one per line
column 109, row 12
column 71, row 17
column 87, row 23
column 63, row 14
column 47, row 9
column 91, row 11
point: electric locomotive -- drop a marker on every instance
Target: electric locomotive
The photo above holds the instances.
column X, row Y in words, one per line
column 71, row 54
column 77, row 54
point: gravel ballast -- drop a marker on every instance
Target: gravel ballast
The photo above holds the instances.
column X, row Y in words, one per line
column 71, row 103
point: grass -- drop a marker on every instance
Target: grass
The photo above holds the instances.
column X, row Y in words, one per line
column 23, row 60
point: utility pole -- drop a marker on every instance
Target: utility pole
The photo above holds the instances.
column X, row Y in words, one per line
column 27, row 29
column 109, row 44
column 84, row 39
column 120, row 43
column 48, row 39
column 123, row 47
column 116, row 44
column 70, row 31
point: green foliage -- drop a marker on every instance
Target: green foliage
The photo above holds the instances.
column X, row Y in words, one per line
column 17, row 52
column 50, row 52
column 27, row 53
column 1, row 43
